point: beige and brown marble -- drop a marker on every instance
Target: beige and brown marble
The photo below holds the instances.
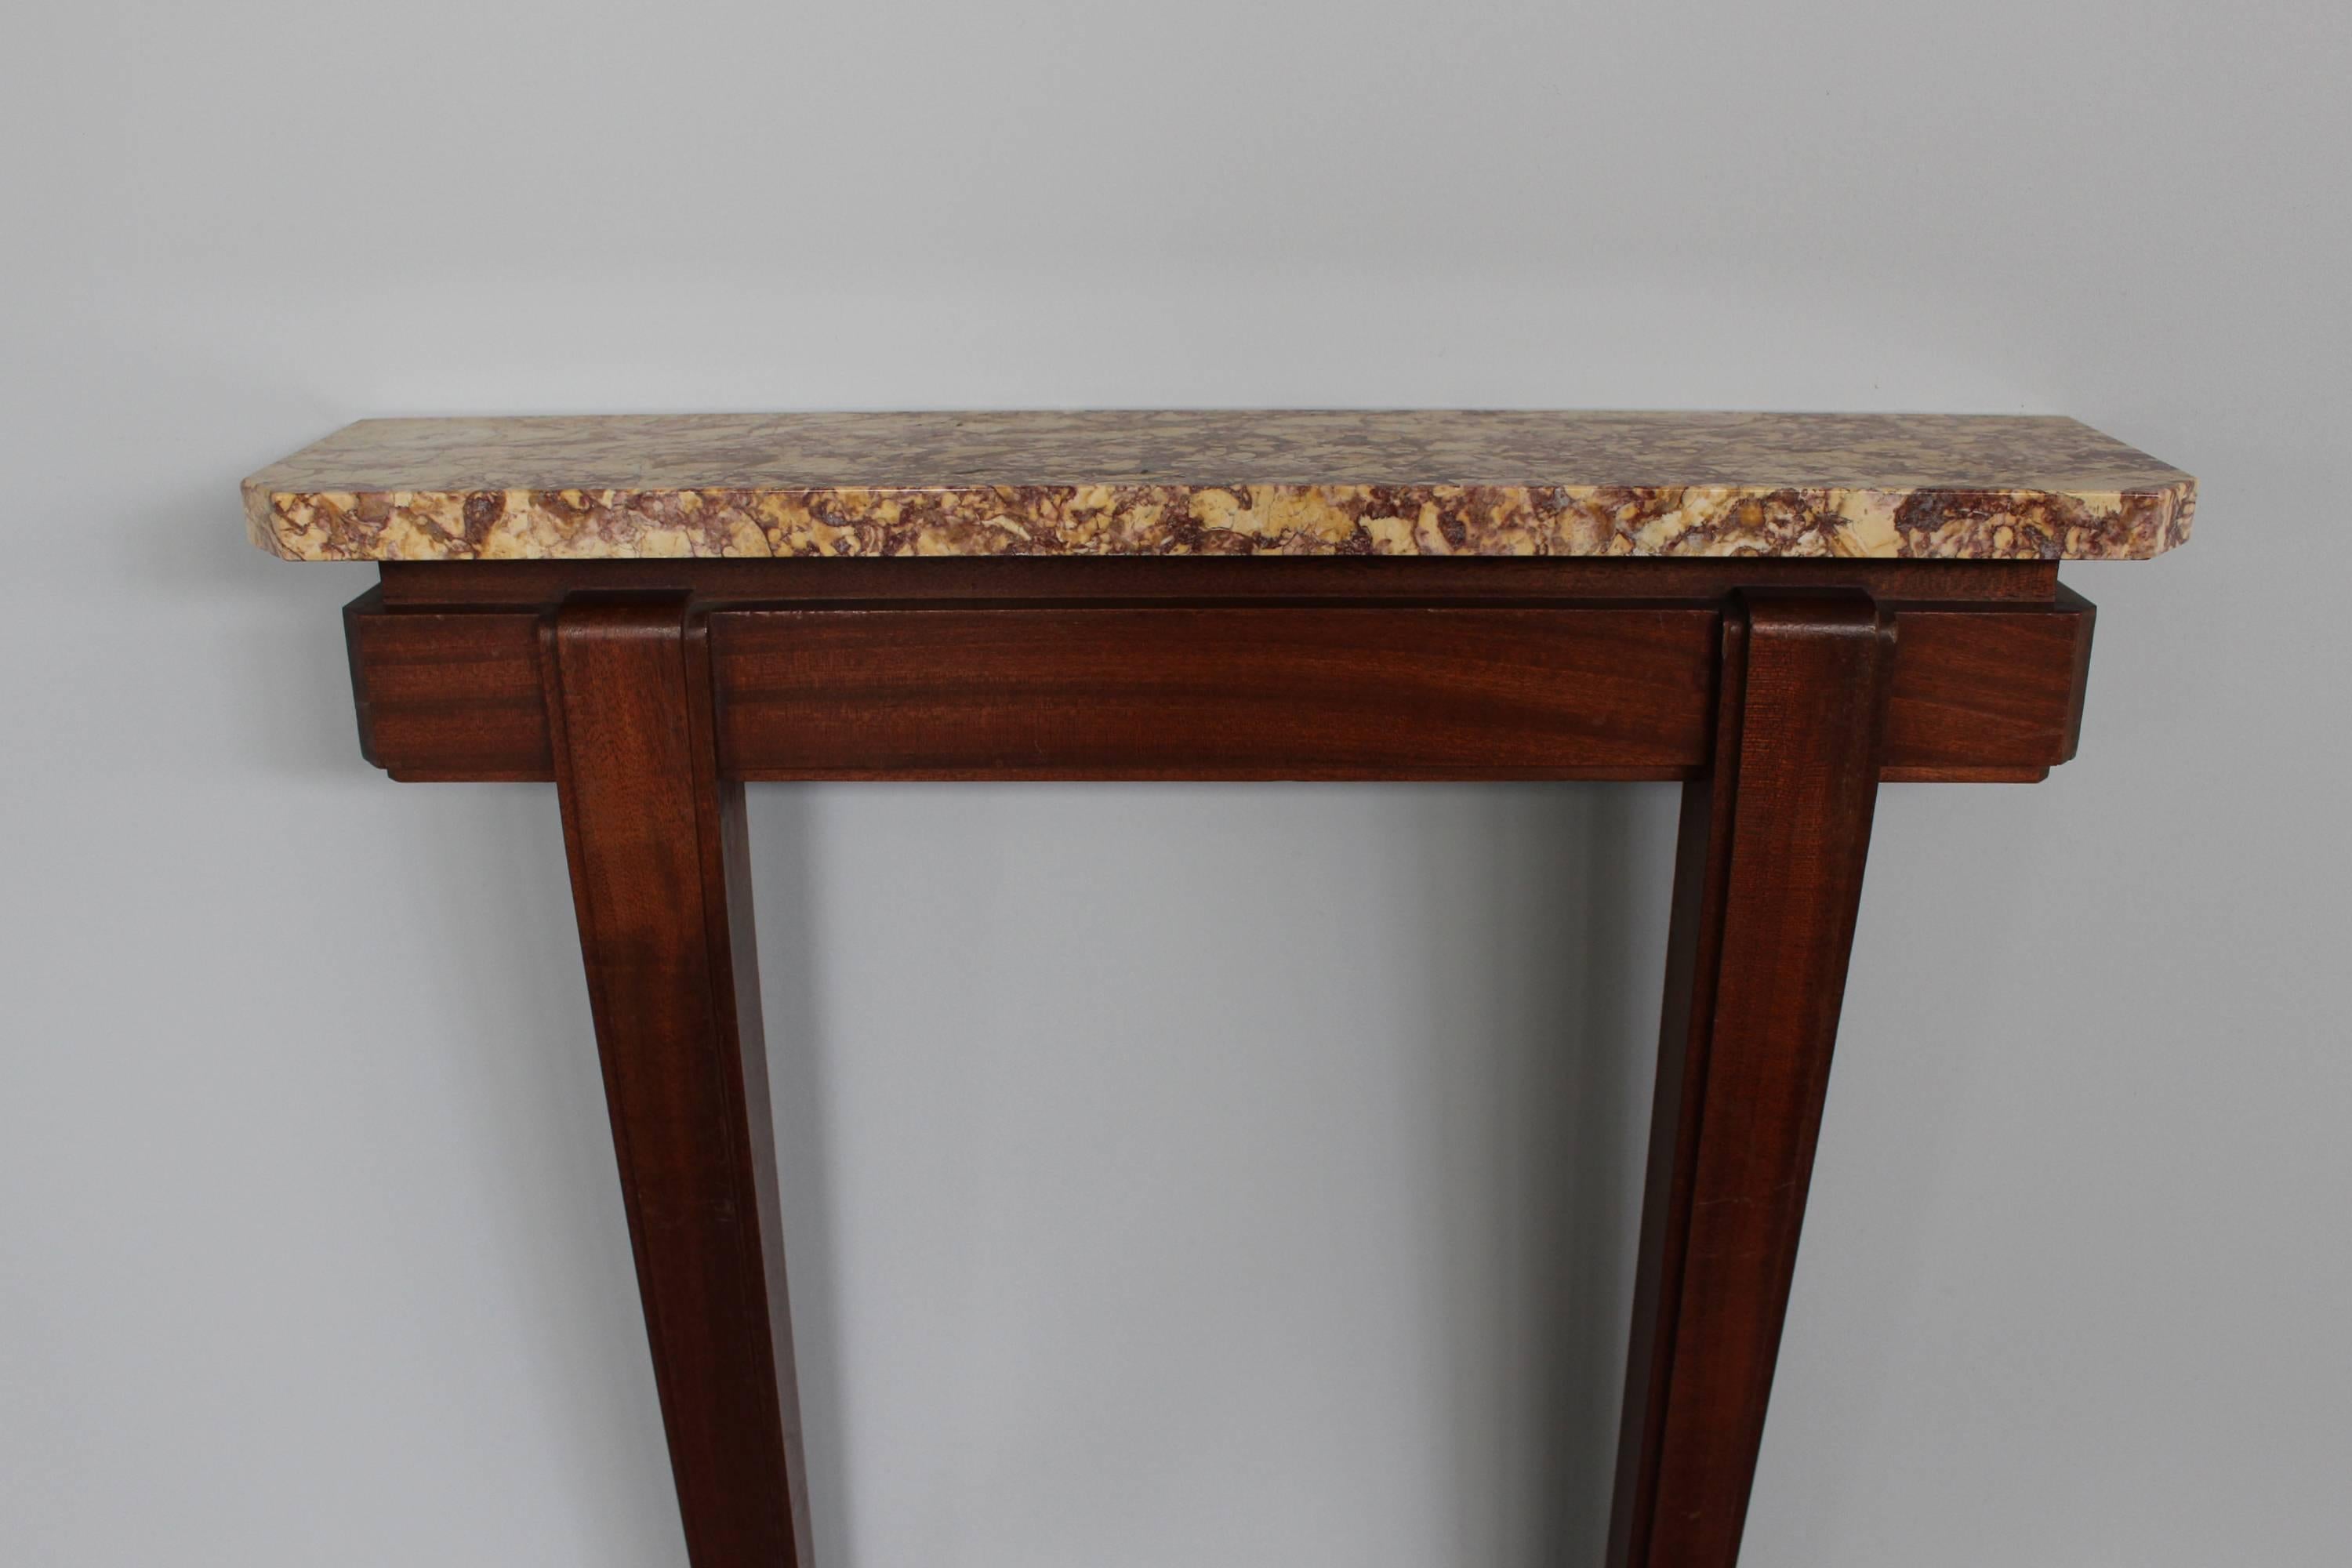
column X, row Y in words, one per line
column 1993, row 487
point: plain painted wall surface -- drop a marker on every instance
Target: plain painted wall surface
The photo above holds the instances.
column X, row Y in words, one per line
column 1177, row 1176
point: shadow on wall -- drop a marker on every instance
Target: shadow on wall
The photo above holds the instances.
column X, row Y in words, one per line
column 1536, row 915
column 783, row 915
column 1627, row 845
column 1543, row 1152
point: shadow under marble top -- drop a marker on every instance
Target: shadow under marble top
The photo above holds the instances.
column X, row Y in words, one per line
column 1992, row 486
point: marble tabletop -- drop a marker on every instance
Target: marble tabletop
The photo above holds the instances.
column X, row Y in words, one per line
column 1294, row 482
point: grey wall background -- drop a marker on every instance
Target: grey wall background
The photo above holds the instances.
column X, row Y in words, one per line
column 1177, row 1176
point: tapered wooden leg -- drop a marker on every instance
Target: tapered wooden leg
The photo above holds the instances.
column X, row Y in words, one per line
column 659, row 879
column 1767, row 879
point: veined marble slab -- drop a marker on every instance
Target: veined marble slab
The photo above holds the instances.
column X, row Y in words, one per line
column 1446, row 483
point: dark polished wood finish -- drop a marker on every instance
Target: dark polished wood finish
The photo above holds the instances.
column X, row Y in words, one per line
column 1767, row 879
column 1784, row 692
column 1272, row 692
column 660, row 878
column 1047, row 685
column 1223, row 579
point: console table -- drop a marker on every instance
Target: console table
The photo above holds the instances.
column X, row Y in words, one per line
column 1781, row 611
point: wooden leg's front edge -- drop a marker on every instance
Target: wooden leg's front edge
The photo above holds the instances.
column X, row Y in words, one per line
column 661, row 886
column 1767, row 879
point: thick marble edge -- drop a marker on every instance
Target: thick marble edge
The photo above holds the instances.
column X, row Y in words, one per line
column 1940, row 487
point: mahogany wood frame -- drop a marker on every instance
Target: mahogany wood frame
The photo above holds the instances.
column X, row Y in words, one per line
column 1782, row 692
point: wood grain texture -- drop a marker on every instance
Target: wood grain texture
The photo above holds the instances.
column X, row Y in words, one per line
column 448, row 696
column 1259, row 693
column 1767, row 881
column 661, row 886
column 1974, row 695
column 1783, row 691
column 1262, row 690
